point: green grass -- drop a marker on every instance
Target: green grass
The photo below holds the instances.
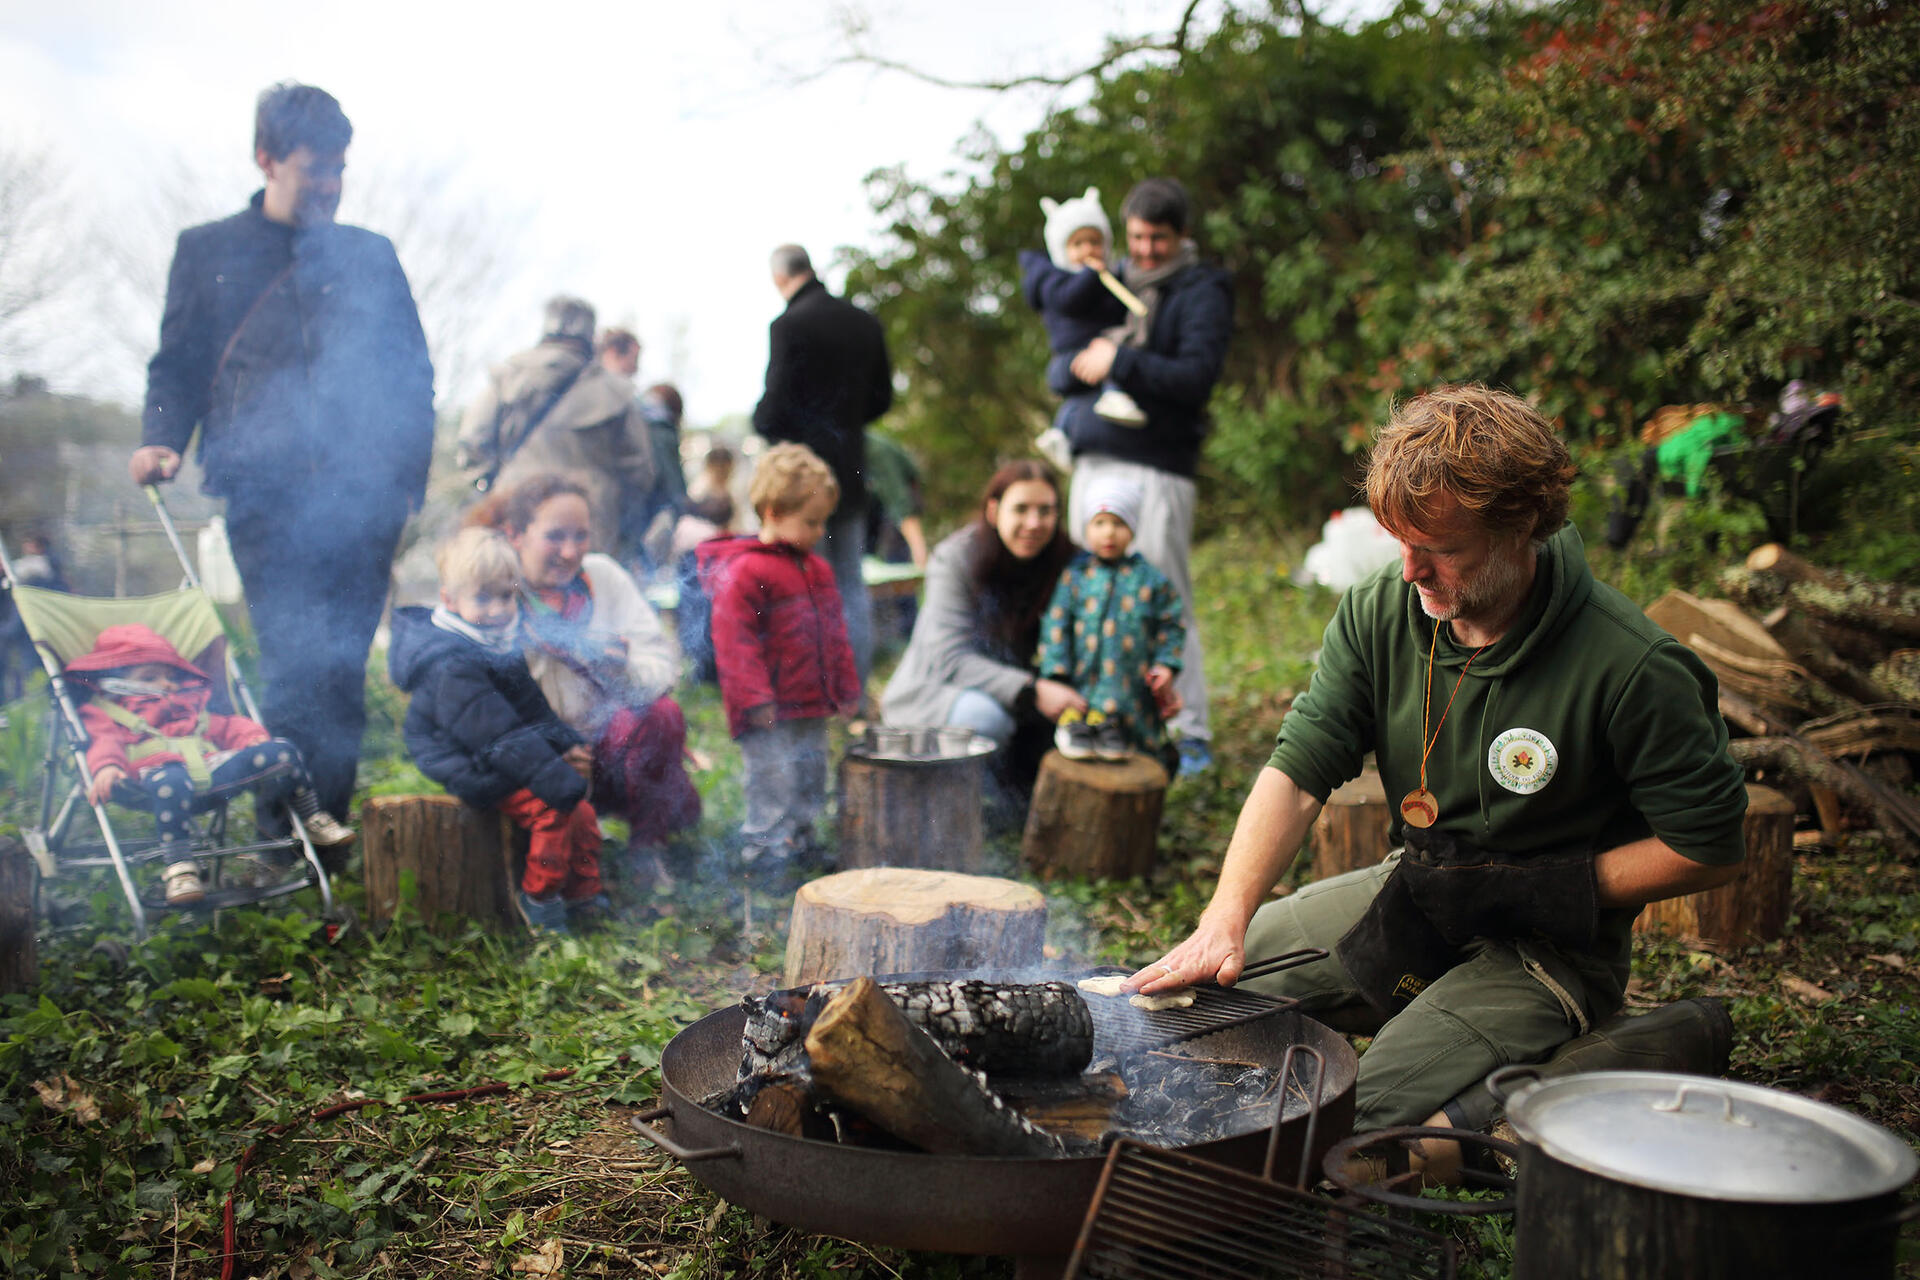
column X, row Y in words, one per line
column 128, row 1095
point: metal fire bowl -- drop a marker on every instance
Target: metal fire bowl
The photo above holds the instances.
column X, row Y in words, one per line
column 949, row 1204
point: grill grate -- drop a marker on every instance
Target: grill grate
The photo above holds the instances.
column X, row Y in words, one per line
column 1162, row 1215
column 1121, row 1030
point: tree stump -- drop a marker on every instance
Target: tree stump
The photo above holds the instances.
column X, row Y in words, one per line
column 19, row 959
column 902, row 920
column 920, row 813
column 1750, row 909
column 1352, row 830
column 459, row 860
column 1094, row 817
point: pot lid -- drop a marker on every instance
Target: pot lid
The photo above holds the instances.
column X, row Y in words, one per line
column 1716, row 1139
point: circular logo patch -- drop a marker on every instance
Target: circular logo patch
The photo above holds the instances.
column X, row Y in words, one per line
column 1522, row 760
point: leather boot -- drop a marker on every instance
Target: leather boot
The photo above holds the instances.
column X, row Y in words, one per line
column 1694, row 1036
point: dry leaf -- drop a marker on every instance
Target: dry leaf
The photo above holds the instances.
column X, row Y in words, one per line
column 1892, row 960
column 206, row 1166
column 65, row 1095
column 544, row 1261
column 1801, row 989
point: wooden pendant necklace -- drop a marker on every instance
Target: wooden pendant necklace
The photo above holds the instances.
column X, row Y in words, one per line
column 1420, row 809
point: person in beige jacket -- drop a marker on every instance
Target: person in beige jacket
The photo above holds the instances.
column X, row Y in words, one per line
column 554, row 408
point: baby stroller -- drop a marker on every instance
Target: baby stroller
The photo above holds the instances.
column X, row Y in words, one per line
column 63, row 626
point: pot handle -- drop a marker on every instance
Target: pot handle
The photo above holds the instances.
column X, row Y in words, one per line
column 685, row 1155
column 1679, row 1103
column 1500, row 1083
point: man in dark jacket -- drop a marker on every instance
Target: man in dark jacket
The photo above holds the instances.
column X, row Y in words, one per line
column 1168, row 366
column 828, row 376
column 292, row 346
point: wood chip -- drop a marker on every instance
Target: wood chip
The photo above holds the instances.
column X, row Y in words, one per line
column 1801, row 989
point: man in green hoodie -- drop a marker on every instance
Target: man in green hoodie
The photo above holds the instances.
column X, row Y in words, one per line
column 1556, row 761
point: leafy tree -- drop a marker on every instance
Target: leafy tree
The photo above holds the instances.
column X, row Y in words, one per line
column 1282, row 128
column 1690, row 201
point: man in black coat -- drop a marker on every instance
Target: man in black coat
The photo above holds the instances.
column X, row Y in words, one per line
column 828, row 376
column 1173, row 357
column 292, row 346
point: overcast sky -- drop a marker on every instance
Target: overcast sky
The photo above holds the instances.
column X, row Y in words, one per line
column 643, row 155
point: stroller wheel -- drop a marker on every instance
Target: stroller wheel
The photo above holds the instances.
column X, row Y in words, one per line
column 113, row 949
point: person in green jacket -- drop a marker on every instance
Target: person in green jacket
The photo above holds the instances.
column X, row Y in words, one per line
column 1555, row 759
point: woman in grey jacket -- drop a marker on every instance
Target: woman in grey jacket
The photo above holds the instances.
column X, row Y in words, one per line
column 970, row 662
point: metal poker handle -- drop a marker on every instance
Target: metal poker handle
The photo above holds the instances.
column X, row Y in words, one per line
column 685, row 1155
column 1276, row 964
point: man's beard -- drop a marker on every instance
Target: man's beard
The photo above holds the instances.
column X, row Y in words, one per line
column 1491, row 592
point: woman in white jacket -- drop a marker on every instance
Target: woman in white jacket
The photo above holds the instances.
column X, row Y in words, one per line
column 598, row 652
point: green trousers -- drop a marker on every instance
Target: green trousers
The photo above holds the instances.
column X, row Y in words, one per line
column 1505, row 1002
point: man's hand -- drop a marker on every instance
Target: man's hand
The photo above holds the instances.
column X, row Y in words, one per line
column 1051, row 698
column 1215, row 952
column 1160, row 685
column 153, row 464
column 103, row 779
column 1093, row 365
column 580, row 757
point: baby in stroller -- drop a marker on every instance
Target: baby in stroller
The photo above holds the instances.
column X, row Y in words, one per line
column 153, row 745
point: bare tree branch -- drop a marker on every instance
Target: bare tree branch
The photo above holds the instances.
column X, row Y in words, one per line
column 855, row 30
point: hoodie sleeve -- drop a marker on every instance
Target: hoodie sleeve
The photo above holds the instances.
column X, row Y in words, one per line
column 1669, row 742
column 483, row 722
column 1325, row 737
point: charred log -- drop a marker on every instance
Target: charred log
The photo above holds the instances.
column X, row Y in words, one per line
column 1015, row 1028
column 867, row 1055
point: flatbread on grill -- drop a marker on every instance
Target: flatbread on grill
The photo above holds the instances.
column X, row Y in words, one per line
column 1179, row 998
column 1107, row 984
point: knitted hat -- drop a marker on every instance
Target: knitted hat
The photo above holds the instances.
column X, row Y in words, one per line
column 129, row 645
column 1064, row 217
column 1119, row 498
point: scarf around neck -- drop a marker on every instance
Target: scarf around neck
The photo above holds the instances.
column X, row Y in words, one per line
column 1146, row 285
column 501, row 639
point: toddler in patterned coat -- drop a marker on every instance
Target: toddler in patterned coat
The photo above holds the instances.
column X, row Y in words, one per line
column 1114, row 631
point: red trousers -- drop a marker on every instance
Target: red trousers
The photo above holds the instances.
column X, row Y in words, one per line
column 564, row 854
column 639, row 772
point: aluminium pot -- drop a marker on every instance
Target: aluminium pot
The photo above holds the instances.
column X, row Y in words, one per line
column 1646, row 1175
column 946, row 1203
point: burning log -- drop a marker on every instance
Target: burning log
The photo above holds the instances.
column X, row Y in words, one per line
column 460, row 858
column 1095, row 818
column 1010, row 1028
column 865, row 1054
column 902, row 920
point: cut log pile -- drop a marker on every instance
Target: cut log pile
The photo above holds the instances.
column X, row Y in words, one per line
column 1818, row 670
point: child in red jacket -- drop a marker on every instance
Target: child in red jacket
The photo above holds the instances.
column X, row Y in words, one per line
column 780, row 643
column 153, row 745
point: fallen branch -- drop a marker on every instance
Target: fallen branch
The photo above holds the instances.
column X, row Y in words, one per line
column 1897, row 816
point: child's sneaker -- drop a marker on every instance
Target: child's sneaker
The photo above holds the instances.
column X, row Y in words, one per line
column 327, row 831
column 1109, row 739
column 1074, row 737
column 543, row 915
column 183, row 883
column 591, row 912
column 1116, row 405
column 1053, row 445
